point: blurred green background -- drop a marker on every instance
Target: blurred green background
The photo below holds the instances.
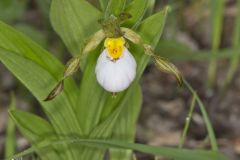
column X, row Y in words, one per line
column 201, row 36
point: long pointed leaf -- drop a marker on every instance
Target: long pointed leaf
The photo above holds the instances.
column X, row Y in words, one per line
column 70, row 18
column 115, row 7
column 137, row 9
column 180, row 154
column 39, row 72
column 35, row 129
column 126, row 125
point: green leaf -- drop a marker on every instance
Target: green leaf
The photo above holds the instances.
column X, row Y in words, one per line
column 150, row 30
column 35, row 129
column 33, row 79
column 32, row 126
column 114, row 7
column 90, row 95
column 39, row 72
column 137, row 9
column 180, row 154
column 71, row 21
column 10, row 144
column 150, row 8
column 38, row 36
column 126, row 125
column 105, row 129
column 103, row 4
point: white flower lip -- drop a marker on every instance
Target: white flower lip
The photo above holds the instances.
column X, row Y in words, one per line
column 115, row 76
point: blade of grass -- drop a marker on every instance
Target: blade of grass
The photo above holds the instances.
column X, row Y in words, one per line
column 235, row 56
column 210, row 130
column 180, row 154
column 188, row 121
column 217, row 13
column 10, row 144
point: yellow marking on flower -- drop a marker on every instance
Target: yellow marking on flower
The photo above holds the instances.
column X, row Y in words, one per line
column 115, row 47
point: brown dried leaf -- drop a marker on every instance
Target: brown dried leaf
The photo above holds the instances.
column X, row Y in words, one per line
column 124, row 16
column 56, row 91
column 167, row 67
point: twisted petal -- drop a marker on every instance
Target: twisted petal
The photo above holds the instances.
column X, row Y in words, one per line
column 115, row 76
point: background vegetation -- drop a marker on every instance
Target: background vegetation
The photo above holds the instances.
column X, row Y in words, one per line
column 201, row 37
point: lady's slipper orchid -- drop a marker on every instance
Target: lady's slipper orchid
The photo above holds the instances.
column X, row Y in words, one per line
column 116, row 67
